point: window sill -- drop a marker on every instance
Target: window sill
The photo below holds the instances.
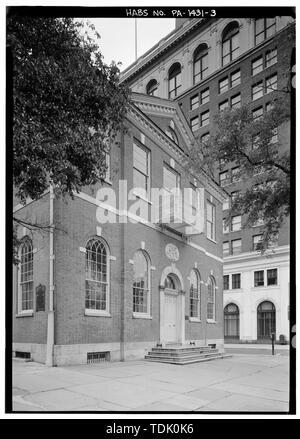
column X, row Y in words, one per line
column 137, row 315
column 194, row 320
column 141, row 197
column 96, row 313
column 25, row 314
column 265, row 287
column 210, row 321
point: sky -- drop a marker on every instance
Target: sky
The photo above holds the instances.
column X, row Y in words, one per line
column 117, row 41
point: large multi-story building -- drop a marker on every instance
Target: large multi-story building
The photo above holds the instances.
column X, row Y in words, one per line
column 207, row 65
column 112, row 278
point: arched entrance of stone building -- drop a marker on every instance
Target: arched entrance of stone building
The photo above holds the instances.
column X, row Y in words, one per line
column 172, row 305
column 231, row 322
column 266, row 320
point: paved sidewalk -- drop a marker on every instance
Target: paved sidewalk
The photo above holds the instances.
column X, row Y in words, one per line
column 241, row 383
column 257, row 349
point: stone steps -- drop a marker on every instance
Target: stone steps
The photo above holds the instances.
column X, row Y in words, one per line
column 184, row 355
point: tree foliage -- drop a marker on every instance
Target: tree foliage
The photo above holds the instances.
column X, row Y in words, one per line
column 263, row 158
column 67, row 105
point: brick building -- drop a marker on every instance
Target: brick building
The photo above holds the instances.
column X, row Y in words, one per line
column 206, row 66
column 91, row 289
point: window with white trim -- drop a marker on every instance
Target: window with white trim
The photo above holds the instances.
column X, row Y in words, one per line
column 141, row 168
column 174, row 80
column 26, row 276
column 256, row 242
column 141, row 283
column 97, row 276
column 259, row 278
column 272, row 276
column 171, row 178
column 236, row 246
column 211, row 299
column 195, row 123
column 226, row 282
column 211, row 220
column 195, row 294
column 236, row 281
column 223, row 85
column 226, row 249
column 236, row 223
column 225, row 226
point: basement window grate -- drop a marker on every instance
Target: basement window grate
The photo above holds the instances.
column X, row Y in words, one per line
column 19, row 354
column 97, row 357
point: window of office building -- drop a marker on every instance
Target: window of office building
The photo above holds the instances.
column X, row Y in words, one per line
column 211, row 220
column 235, row 78
column 271, row 57
column 264, row 28
column 236, row 246
column 272, row 277
column 236, row 101
column 236, row 281
column 259, row 278
column 230, row 43
column 204, row 96
column 200, row 63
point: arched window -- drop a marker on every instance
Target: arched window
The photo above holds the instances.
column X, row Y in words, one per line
column 200, row 63
column 97, row 276
column 26, row 276
column 195, row 295
column 174, row 80
column 211, row 299
column 230, row 43
column 231, row 321
column 266, row 320
column 141, row 283
column 152, row 88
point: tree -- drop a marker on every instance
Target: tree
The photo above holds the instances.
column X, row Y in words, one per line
column 68, row 107
column 263, row 161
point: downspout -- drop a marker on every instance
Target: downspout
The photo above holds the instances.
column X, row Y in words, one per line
column 50, row 323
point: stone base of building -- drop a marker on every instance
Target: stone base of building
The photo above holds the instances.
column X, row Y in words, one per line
column 65, row 355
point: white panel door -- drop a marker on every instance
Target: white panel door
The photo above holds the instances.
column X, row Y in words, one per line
column 170, row 317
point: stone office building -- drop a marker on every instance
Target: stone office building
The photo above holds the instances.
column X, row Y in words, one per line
column 92, row 290
column 206, row 66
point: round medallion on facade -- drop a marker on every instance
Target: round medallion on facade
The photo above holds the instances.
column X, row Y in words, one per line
column 172, row 252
